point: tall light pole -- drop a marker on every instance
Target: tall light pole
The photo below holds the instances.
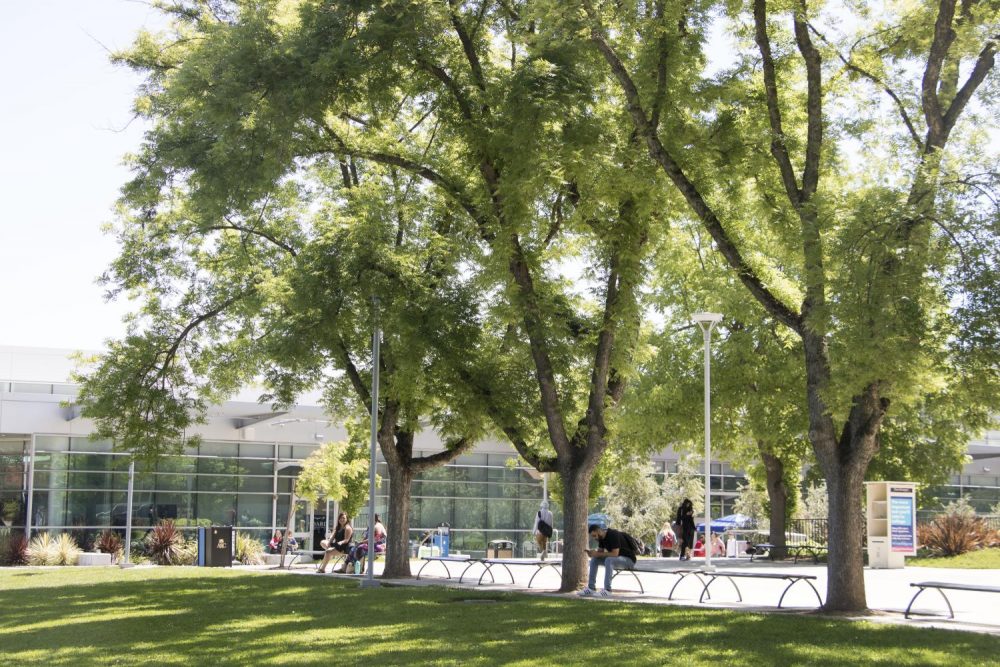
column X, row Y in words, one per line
column 128, row 515
column 369, row 580
column 706, row 322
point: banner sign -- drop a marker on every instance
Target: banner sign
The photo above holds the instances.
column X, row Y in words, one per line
column 902, row 528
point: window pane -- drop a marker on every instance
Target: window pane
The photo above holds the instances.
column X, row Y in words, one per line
column 88, row 445
column 216, row 483
column 259, row 484
column 212, row 448
column 256, row 450
column 254, row 510
column 51, row 443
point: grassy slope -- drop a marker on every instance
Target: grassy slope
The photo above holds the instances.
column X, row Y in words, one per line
column 983, row 559
column 181, row 616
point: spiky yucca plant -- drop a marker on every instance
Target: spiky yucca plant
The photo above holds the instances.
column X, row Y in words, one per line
column 109, row 542
column 165, row 544
column 16, row 552
column 43, row 550
column 67, row 550
column 954, row 534
column 249, row 551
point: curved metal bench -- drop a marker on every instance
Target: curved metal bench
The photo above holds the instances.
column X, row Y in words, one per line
column 941, row 587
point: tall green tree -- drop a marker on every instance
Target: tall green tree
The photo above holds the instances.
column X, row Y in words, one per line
column 308, row 155
column 827, row 168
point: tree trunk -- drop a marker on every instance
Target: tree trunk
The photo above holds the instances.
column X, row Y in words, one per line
column 576, row 501
column 845, row 589
column 777, row 494
column 397, row 551
column 844, row 461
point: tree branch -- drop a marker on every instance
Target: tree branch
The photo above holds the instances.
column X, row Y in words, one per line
column 687, row 188
column 814, row 103
column 779, row 148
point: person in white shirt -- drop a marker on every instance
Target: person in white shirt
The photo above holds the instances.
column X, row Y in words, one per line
column 542, row 529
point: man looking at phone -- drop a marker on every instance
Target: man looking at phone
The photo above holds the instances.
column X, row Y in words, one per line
column 614, row 550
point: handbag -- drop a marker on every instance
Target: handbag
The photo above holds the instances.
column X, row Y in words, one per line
column 676, row 526
column 543, row 526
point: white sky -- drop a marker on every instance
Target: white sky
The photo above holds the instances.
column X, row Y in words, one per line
column 64, row 127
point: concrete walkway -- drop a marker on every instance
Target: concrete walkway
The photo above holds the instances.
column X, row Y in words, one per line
column 888, row 591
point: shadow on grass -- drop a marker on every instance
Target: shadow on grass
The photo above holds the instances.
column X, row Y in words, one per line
column 174, row 616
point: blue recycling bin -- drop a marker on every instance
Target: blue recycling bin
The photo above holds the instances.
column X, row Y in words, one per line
column 442, row 539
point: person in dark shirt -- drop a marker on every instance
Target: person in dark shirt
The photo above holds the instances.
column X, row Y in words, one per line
column 613, row 551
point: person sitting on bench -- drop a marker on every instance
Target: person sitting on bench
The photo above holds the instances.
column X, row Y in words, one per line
column 339, row 542
column 360, row 550
column 615, row 549
column 274, row 546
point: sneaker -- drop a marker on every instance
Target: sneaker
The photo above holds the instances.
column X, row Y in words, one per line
column 587, row 592
column 605, row 593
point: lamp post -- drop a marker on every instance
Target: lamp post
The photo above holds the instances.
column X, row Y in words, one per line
column 128, row 515
column 369, row 580
column 706, row 322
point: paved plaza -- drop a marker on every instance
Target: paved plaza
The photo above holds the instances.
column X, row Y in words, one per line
column 888, row 591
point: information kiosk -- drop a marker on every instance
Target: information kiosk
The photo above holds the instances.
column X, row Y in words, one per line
column 892, row 523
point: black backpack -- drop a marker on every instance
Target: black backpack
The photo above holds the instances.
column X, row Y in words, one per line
column 634, row 545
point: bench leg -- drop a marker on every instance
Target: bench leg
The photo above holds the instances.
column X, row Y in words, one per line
column 792, row 583
column 681, row 577
column 542, row 567
column 711, row 580
column 951, row 612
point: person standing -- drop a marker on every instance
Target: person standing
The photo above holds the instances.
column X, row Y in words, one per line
column 685, row 517
column 542, row 529
column 667, row 540
column 615, row 550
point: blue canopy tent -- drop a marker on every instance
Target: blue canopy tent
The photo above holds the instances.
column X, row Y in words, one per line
column 729, row 522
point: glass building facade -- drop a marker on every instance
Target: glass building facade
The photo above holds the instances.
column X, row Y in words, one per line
column 79, row 486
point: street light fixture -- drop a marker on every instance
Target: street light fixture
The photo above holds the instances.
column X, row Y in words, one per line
column 706, row 322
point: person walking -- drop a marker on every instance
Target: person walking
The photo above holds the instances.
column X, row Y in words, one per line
column 685, row 517
column 667, row 540
column 542, row 530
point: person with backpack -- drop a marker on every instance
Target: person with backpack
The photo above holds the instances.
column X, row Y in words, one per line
column 667, row 540
column 542, row 530
column 616, row 549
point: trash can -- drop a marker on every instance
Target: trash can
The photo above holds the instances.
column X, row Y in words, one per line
column 442, row 539
column 215, row 546
column 500, row 549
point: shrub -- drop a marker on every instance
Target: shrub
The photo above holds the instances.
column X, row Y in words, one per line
column 248, row 550
column 43, row 550
column 165, row 544
column 67, row 550
column 187, row 552
column 16, row 550
column 109, row 542
column 955, row 533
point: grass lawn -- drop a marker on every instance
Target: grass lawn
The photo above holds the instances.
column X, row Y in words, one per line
column 982, row 559
column 189, row 616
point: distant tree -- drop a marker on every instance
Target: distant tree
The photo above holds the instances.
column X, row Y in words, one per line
column 635, row 500
column 337, row 471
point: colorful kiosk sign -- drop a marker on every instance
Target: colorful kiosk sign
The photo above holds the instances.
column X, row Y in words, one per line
column 902, row 520
column 892, row 523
